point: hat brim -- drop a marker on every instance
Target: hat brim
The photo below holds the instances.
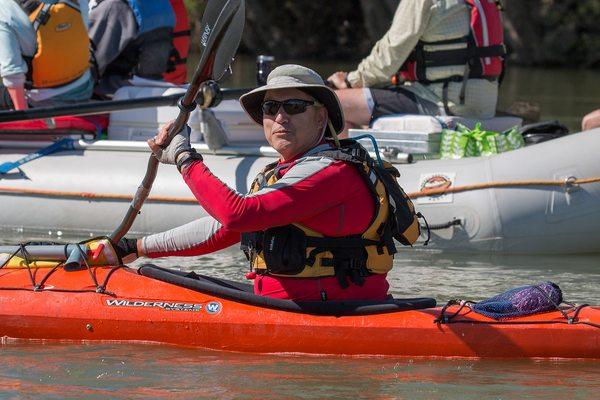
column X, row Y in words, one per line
column 252, row 101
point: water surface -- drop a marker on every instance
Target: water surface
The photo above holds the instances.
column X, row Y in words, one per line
column 98, row 371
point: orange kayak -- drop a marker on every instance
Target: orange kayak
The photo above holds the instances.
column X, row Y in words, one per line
column 166, row 306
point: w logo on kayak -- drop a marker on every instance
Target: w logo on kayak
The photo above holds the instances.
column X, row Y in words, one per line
column 214, row 307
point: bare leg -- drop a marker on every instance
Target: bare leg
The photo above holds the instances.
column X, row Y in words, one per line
column 356, row 109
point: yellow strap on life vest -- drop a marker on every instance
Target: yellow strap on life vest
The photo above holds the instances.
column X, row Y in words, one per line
column 63, row 53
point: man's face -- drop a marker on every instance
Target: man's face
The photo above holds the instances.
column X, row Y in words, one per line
column 291, row 135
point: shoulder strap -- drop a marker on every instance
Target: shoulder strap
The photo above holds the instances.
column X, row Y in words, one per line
column 349, row 151
column 42, row 16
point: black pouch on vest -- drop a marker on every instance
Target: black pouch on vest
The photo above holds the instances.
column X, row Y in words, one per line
column 403, row 214
column 284, row 250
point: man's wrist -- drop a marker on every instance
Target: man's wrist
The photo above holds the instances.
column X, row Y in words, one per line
column 186, row 158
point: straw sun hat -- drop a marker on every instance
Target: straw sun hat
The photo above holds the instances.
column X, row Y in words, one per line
column 298, row 77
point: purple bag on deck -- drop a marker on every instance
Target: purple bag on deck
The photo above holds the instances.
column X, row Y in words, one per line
column 521, row 301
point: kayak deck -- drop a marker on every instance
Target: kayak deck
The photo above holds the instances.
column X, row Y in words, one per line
column 121, row 304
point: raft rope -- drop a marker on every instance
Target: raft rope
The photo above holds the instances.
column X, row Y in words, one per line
column 570, row 183
column 93, row 196
column 40, row 286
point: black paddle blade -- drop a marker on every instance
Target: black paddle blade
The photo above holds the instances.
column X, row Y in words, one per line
column 230, row 42
column 222, row 27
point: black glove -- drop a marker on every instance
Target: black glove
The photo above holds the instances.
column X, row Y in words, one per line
column 126, row 247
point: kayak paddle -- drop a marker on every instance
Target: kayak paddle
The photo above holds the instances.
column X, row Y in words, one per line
column 221, row 28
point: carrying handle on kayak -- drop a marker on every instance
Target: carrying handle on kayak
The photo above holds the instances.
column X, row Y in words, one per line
column 221, row 28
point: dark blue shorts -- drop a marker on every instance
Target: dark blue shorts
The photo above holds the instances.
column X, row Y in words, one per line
column 391, row 101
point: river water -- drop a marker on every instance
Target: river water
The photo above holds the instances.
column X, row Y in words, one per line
column 90, row 371
column 99, row 371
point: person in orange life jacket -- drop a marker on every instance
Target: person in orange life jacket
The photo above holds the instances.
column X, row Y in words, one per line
column 445, row 58
column 35, row 66
column 591, row 121
column 301, row 196
column 129, row 37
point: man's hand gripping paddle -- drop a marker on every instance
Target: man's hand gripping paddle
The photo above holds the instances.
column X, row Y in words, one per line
column 222, row 27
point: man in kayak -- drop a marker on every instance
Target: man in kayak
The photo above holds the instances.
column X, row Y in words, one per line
column 43, row 63
column 313, row 226
column 132, row 37
column 438, row 58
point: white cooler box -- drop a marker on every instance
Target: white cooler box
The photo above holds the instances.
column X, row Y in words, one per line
column 421, row 134
column 143, row 123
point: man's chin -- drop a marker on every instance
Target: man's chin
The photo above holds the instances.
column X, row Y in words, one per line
column 283, row 148
column 281, row 144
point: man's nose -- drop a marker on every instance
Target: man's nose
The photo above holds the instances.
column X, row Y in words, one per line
column 281, row 116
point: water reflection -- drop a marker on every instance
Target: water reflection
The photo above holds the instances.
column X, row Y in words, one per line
column 129, row 371
column 136, row 371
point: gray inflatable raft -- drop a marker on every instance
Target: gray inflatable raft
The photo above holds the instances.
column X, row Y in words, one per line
column 84, row 192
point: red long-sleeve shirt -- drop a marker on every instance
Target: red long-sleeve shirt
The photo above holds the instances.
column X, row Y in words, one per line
column 323, row 194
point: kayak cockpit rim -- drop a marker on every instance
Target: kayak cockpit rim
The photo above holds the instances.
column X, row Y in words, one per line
column 243, row 293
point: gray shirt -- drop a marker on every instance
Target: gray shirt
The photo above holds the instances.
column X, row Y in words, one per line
column 114, row 33
column 112, row 28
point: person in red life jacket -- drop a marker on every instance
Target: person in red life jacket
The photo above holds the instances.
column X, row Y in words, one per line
column 129, row 37
column 314, row 225
column 176, row 67
column 438, row 58
column 591, row 121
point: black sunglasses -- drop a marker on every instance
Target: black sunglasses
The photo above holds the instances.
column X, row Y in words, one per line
column 290, row 106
